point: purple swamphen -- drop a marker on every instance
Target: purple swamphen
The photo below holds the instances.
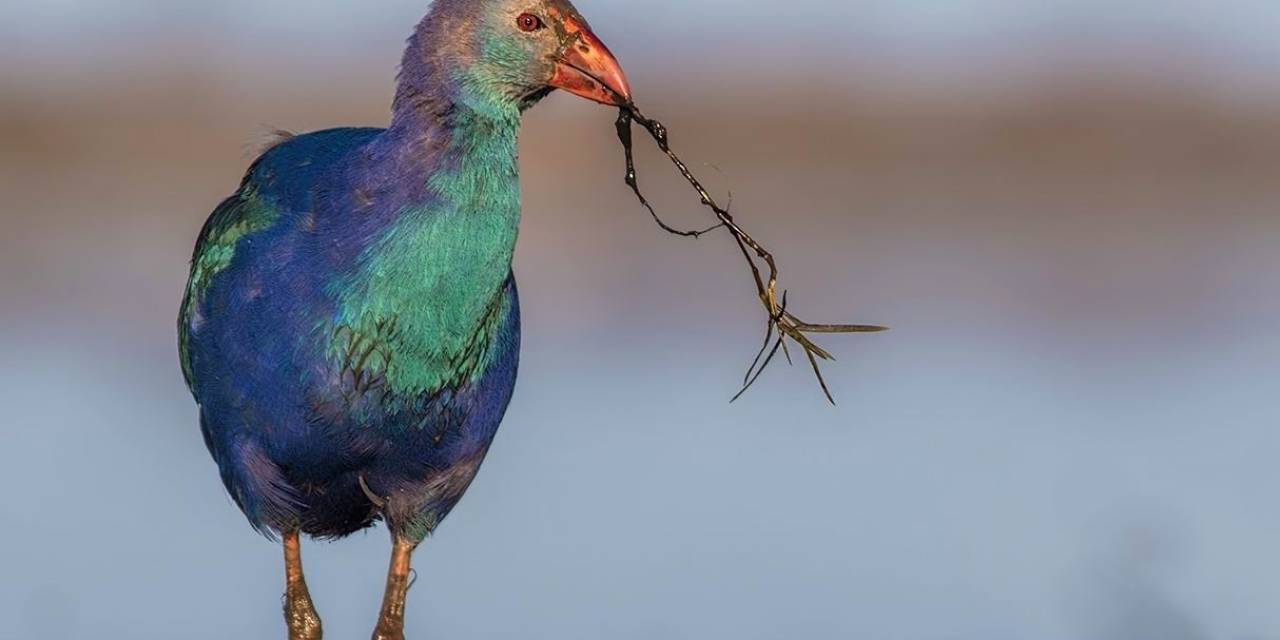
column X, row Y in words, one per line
column 351, row 329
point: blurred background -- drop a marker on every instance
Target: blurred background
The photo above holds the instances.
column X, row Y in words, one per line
column 1066, row 210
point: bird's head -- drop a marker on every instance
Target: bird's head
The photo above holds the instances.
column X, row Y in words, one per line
column 513, row 51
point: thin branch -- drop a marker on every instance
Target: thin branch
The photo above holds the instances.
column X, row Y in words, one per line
column 780, row 320
column 624, row 134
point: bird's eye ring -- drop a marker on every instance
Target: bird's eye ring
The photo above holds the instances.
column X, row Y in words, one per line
column 529, row 22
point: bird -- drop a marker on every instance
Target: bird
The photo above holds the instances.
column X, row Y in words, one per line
column 350, row 328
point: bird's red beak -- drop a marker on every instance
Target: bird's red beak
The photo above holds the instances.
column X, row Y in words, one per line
column 585, row 67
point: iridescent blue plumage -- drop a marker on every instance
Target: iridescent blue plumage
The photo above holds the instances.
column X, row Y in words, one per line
column 351, row 328
column 292, row 429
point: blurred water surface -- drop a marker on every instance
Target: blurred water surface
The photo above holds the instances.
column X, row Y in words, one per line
column 1070, row 432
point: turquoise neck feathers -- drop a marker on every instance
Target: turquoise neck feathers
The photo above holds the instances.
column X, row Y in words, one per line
column 432, row 280
column 429, row 286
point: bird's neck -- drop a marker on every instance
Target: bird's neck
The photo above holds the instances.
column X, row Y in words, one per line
column 454, row 138
column 436, row 269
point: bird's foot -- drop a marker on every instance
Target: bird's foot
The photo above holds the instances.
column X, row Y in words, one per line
column 301, row 617
column 389, row 630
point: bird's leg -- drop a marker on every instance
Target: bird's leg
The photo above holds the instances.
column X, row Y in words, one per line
column 299, row 612
column 391, row 619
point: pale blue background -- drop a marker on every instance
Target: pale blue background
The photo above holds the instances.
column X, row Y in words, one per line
column 1071, row 432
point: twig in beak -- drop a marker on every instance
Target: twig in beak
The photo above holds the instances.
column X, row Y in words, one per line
column 624, row 135
column 787, row 325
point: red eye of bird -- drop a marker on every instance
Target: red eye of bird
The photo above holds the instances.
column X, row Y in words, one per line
column 529, row 22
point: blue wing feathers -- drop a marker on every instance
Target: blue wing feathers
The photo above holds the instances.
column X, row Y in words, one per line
column 275, row 411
